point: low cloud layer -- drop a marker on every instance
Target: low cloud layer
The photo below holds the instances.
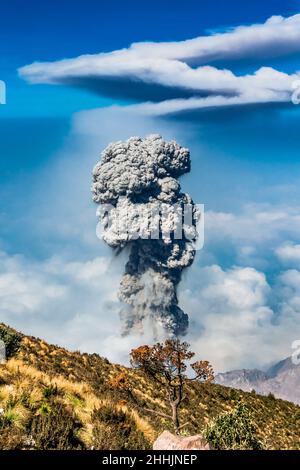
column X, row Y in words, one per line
column 234, row 311
column 233, row 319
column 174, row 77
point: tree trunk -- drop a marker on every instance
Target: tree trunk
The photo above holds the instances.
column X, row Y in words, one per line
column 175, row 418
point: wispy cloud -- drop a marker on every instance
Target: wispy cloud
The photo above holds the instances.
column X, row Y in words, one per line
column 178, row 76
column 257, row 236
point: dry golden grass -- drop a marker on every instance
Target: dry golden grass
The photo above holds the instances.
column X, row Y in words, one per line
column 79, row 395
column 82, row 383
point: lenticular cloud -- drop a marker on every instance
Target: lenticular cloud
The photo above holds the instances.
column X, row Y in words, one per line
column 142, row 208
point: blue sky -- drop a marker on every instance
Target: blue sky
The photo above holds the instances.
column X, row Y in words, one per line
column 245, row 165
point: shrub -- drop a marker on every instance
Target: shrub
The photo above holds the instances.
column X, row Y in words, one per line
column 116, row 429
column 56, row 429
column 234, row 430
column 10, row 440
column 11, row 339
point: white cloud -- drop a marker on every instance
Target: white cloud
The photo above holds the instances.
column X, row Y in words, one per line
column 289, row 282
column 150, row 71
column 52, row 298
column 289, row 252
column 21, row 291
column 250, row 96
column 254, row 236
column 70, row 303
column 277, row 36
column 74, row 304
column 233, row 323
column 255, row 222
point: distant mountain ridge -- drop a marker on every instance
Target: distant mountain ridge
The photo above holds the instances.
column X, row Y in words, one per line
column 282, row 380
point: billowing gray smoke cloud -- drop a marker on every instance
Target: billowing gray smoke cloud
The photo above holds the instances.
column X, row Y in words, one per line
column 137, row 181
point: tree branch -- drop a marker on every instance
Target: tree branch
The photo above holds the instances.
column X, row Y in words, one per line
column 182, row 426
column 159, row 413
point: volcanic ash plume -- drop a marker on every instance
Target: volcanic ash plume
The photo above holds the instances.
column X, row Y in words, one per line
column 142, row 207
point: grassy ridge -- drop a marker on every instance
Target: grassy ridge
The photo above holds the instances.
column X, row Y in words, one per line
column 54, row 398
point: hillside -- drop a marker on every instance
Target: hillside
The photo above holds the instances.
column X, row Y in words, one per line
column 53, row 398
column 282, row 380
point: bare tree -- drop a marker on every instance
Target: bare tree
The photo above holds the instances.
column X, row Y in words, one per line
column 167, row 364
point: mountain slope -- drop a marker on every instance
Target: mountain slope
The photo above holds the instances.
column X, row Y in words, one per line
column 53, row 398
column 282, row 380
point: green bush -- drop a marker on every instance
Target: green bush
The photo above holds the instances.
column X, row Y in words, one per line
column 233, row 431
column 11, row 339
